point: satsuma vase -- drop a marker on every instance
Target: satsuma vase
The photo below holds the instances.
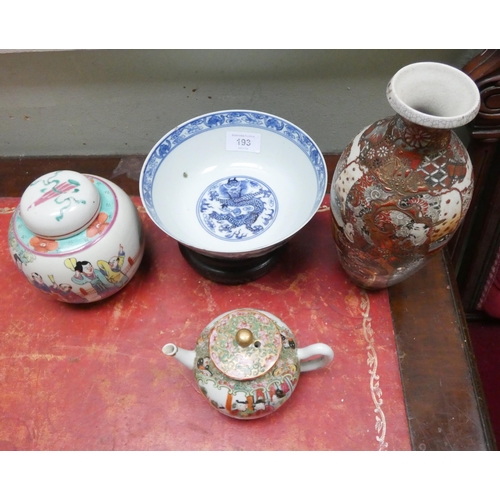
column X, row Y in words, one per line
column 404, row 184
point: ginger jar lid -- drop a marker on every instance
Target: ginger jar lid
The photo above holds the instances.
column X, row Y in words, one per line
column 59, row 204
column 245, row 344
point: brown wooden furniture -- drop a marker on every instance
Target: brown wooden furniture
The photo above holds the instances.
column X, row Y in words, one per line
column 475, row 246
column 444, row 402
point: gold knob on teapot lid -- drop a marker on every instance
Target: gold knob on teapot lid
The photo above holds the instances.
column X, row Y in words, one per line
column 244, row 337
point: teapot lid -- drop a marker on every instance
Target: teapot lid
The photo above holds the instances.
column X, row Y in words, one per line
column 245, row 344
column 59, row 204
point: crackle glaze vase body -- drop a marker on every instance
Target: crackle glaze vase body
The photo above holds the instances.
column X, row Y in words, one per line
column 247, row 362
column 76, row 238
column 404, row 184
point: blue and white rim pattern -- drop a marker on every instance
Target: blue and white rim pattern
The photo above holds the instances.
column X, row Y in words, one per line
column 237, row 208
column 224, row 119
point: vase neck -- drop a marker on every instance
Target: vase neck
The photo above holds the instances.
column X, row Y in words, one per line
column 419, row 136
column 434, row 95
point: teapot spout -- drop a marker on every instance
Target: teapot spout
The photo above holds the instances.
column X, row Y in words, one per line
column 184, row 356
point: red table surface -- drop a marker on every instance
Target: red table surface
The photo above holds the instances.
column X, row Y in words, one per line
column 93, row 377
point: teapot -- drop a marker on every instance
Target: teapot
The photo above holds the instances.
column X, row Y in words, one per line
column 77, row 238
column 247, row 362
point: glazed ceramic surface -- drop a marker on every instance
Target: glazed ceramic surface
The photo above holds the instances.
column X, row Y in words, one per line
column 247, row 362
column 233, row 183
column 76, row 238
column 404, row 184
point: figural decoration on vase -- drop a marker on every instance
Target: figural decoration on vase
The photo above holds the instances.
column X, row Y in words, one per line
column 404, row 184
column 247, row 362
column 76, row 238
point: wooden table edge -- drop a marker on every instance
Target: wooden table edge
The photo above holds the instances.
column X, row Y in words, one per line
column 445, row 404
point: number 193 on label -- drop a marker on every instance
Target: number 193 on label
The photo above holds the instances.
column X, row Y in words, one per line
column 236, row 141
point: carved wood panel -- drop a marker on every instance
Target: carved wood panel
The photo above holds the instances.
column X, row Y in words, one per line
column 474, row 248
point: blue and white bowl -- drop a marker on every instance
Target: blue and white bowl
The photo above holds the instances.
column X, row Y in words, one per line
column 233, row 184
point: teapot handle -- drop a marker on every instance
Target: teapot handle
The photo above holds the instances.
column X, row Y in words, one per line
column 322, row 354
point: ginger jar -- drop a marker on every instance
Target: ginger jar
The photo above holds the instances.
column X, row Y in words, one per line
column 76, row 238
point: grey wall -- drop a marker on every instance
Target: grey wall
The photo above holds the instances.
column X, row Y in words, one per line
column 107, row 102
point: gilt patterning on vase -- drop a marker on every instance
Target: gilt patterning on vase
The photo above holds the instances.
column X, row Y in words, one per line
column 399, row 192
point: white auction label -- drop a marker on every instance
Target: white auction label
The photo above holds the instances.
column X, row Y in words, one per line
column 243, row 141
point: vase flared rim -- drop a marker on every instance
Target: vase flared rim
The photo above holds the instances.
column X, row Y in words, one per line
column 434, row 95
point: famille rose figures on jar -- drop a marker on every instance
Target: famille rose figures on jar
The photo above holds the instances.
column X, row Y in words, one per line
column 77, row 238
column 247, row 362
column 404, row 184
